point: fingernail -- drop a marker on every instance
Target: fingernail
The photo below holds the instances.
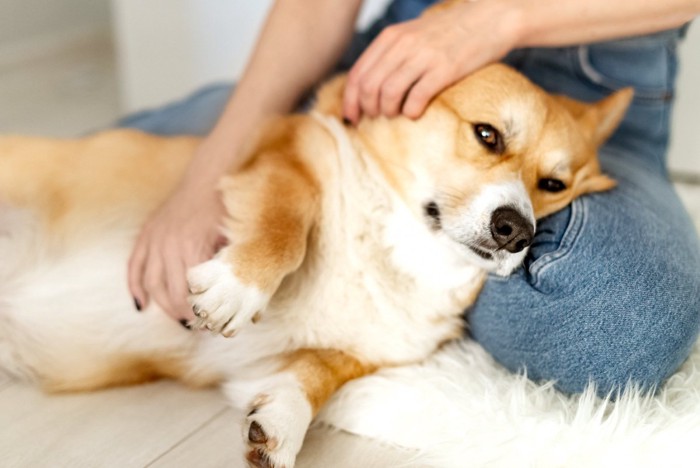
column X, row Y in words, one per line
column 137, row 304
column 347, row 121
column 186, row 325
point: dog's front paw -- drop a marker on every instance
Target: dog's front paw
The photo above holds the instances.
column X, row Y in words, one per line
column 275, row 428
column 220, row 301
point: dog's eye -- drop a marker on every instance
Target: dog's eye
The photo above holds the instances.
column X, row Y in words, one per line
column 489, row 137
column 551, row 185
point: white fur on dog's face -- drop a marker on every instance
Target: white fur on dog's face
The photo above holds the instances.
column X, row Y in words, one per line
column 495, row 141
column 457, row 204
column 470, row 225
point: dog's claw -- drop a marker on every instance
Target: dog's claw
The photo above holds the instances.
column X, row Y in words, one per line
column 222, row 303
column 199, row 312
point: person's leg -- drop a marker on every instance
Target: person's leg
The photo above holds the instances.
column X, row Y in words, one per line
column 195, row 114
column 610, row 291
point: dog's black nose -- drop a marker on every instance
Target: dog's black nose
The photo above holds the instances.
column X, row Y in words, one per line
column 511, row 230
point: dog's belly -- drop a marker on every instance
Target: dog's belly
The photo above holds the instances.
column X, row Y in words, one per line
column 68, row 321
column 377, row 283
column 385, row 320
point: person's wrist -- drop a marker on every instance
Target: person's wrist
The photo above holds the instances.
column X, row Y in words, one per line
column 517, row 26
column 212, row 159
column 513, row 29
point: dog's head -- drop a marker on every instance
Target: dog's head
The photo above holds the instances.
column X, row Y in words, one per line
column 492, row 154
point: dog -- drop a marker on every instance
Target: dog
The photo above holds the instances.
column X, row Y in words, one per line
column 350, row 248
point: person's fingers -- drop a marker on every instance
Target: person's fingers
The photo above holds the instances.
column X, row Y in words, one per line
column 176, row 271
column 396, row 86
column 372, row 80
column 135, row 273
column 372, row 55
column 424, row 90
column 154, row 280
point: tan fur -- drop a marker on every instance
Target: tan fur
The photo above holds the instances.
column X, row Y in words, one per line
column 65, row 183
column 323, row 371
column 125, row 370
column 273, row 241
column 597, row 121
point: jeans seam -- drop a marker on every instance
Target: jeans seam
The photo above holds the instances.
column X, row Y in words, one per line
column 586, row 70
column 579, row 213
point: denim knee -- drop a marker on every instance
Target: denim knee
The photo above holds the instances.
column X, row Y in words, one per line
column 195, row 114
column 610, row 293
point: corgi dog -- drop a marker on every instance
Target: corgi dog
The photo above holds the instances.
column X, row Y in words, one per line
column 349, row 248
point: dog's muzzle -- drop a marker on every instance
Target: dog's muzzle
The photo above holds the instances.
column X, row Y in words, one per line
column 510, row 230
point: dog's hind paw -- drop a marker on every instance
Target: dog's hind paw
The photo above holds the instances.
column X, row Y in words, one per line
column 221, row 303
column 275, row 428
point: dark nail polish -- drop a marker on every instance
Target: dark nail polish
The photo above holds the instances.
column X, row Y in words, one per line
column 137, row 304
column 346, row 121
column 186, row 325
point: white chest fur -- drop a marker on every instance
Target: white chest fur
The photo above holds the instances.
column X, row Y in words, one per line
column 378, row 282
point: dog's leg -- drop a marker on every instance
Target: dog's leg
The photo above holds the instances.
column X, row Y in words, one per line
column 272, row 206
column 280, row 414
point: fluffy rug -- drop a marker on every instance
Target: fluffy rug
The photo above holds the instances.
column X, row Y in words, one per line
column 461, row 409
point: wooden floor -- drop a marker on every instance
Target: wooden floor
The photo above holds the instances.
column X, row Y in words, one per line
column 157, row 425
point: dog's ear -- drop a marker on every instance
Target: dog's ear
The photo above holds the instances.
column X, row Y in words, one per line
column 606, row 115
column 598, row 183
column 601, row 118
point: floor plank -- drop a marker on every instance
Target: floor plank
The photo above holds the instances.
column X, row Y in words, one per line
column 127, row 427
column 4, row 379
column 219, row 444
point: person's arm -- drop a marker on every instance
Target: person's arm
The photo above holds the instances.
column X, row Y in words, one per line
column 299, row 44
column 410, row 63
column 569, row 22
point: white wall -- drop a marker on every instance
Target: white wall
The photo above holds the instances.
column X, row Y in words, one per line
column 685, row 138
column 167, row 48
column 33, row 27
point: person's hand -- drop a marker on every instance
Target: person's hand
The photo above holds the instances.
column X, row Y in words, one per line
column 183, row 232
column 409, row 63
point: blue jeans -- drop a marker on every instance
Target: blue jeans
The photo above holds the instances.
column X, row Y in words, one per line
column 610, row 290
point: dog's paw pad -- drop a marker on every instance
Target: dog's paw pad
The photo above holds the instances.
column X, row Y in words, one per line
column 276, row 426
column 257, row 435
column 220, row 301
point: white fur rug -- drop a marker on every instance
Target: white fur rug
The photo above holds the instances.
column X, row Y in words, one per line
column 461, row 409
